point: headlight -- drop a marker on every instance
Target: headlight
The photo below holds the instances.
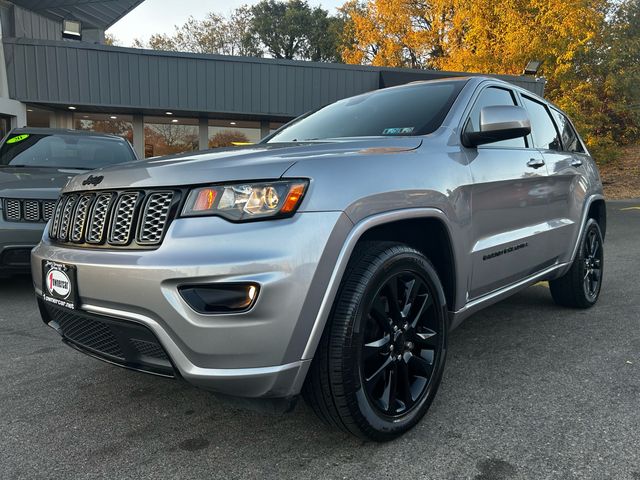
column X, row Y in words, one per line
column 246, row 201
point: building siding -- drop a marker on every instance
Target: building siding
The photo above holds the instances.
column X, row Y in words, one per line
column 29, row 24
column 81, row 74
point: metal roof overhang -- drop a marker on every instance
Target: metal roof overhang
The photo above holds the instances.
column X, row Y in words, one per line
column 90, row 13
column 98, row 78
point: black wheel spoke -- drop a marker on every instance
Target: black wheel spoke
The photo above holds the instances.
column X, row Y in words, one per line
column 376, row 347
column 587, row 284
column 411, row 289
column 391, row 290
column 425, row 302
column 377, row 375
column 426, row 338
column 389, row 394
column 405, row 384
column 380, row 315
column 420, row 366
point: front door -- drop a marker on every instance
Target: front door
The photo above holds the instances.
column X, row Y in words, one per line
column 509, row 206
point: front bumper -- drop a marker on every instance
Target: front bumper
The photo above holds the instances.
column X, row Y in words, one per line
column 16, row 241
column 258, row 353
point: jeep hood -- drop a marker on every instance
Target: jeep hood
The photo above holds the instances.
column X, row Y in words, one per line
column 34, row 182
column 256, row 162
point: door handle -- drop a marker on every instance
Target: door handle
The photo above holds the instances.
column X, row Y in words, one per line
column 535, row 163
column 576, row 162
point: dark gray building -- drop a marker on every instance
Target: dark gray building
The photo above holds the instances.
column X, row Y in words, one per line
column 57, row 72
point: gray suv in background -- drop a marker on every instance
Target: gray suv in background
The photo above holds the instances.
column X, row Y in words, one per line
column 35, row 163
column 333, row 258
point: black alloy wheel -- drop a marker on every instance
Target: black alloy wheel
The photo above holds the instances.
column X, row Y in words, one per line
column 592, row 264
column 401, row 344
column 580, row 286
column 382, row 353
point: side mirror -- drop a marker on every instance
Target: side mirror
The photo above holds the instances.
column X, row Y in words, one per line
column 500, row 122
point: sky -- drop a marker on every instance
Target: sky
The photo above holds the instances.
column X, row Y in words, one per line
column 160, row 16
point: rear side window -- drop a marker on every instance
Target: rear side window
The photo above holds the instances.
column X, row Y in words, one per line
column 543, row 130
column 490, row 97
column 570, row 140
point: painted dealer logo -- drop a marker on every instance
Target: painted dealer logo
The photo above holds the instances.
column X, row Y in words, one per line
column 58, row 283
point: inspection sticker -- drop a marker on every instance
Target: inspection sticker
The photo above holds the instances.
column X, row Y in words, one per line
column 398, row 131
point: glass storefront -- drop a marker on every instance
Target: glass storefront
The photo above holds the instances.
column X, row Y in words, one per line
column 163, row 134
column 169, row 135
column 226, row 133
column 38, row 117
column 121, row 125
column 273, row 126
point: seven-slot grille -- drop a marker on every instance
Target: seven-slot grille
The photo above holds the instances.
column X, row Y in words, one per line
column 27, row 210
column 117, row 219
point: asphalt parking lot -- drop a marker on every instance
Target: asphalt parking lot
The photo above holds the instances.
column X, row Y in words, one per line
column 530, row 391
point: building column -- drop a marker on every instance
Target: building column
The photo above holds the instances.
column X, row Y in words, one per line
column 264, row 128
column 138, row 135
column 62, row 119
column 203, row 133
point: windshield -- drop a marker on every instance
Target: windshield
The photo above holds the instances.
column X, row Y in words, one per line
column 410, row 110
column 63, row 151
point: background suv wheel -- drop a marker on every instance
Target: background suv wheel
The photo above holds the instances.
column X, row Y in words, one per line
column 382, row 354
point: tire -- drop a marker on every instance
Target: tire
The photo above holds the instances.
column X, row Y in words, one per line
column 369, row 346
column 580, row 286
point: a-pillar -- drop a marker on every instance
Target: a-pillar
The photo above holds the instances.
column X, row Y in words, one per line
column 138, row 135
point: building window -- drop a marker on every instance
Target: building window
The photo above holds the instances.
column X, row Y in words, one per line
column 114, row 124
column 38, row 117
column 273, row 126
column 169, row 135
column 226, row 133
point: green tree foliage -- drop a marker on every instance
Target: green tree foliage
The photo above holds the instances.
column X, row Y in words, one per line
column 294, row 30
column 275, row 28
column 215, row 34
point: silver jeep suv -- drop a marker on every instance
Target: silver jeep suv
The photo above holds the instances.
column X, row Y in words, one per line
column 333, row 258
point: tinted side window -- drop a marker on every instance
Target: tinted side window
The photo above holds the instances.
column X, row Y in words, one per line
column 490, row 97
column 569, row 136
column 543, row 129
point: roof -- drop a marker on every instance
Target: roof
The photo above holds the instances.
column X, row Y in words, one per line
column 90, row 13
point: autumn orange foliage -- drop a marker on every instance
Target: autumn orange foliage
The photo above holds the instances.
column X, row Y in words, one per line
column 485, row 36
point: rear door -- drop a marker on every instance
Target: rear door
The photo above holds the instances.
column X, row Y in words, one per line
column 508, row 204
column 553, row 135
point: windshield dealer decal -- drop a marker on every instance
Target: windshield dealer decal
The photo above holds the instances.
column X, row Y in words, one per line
column 18, row 138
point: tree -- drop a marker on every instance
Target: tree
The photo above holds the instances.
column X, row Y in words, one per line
column 114, row 127
column 111, row 39
column 293, row 30
column 277, row 28
column 590, row 50
column 215, row 34
column 227, row 138
column 396, row 33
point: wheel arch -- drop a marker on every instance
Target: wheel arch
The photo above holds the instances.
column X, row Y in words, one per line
column 598, row 211
column 394, row 226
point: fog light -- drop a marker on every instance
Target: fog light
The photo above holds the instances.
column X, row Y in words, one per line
column 220, row 298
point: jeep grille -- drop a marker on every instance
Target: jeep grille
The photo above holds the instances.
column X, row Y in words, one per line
column 114, row 219
column 27, row 210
